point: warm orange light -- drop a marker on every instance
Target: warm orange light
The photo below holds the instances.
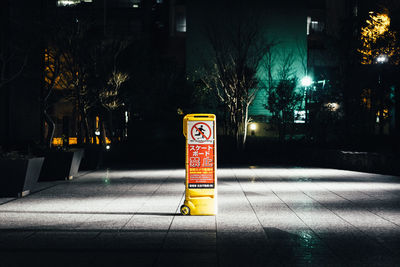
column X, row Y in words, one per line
column 97, row 122
column 57, row 141
column 366, row 98
column 96, row 140
column 385, row 113
column 57, row 75
column 377, row 28
column 73, row 140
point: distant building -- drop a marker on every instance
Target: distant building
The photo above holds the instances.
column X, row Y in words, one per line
column 162, row 22
column 333, row 37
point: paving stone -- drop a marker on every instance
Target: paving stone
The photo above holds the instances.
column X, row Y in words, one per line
column 268, row 216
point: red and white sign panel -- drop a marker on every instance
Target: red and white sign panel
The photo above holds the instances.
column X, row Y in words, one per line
column 201, row 154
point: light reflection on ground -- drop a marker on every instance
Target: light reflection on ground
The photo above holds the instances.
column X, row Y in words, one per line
column 267, row 216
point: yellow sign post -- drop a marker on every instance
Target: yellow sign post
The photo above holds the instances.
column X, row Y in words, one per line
column 201, row 165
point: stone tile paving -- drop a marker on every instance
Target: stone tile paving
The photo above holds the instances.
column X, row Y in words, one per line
column 268, row 216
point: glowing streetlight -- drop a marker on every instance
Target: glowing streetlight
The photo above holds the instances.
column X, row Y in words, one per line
column 381, row 59
column 306, row 81
column 332, row 106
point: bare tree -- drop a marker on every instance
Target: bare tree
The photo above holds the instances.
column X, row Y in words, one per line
column 302, row 56
column 57, row 75
column 282, row 98
column 78, row 64
column 267, row 66
column 237, row 47
column 105, row 82
column 67, row 64
column 81, row 67
column 53, row 78
column 285, row 69
column 109, row 96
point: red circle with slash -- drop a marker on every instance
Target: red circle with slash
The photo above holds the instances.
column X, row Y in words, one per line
column 196, row 127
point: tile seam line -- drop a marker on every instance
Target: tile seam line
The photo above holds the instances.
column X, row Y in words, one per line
column 376, row 198
column 298, row 216
column 61, row 182
column 30, row 194
column 370, row 179
column 255, row 213
column 355, row 205
column 373, row 239
column 156, row 261
column 117, row 197
column 340, row 217
column 143, row 203
column 388, row 178
column 90, row 216
column 216, row 237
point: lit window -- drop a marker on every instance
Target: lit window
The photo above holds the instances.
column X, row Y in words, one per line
column 72, row 2
column 314, row 26
column 73, row 140
column 136, row 3
column 366, row 98
column 68, row 2
column 299, row 116
column 57, row 141
column 160, row 1
column 180, row 22
column 317, row 26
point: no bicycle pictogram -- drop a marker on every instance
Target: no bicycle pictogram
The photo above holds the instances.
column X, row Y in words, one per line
column 201, row 132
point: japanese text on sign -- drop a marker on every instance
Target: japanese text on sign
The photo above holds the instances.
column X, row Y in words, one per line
column 201, row 166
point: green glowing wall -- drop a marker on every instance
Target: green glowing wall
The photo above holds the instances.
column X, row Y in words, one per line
column 287, row 27
column 283, row 22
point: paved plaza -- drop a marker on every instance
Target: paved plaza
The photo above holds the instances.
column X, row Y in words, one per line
column 268, row 216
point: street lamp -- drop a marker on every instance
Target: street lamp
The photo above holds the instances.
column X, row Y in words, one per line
column 306, row 81
column 253, row 126
column 381, row 60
